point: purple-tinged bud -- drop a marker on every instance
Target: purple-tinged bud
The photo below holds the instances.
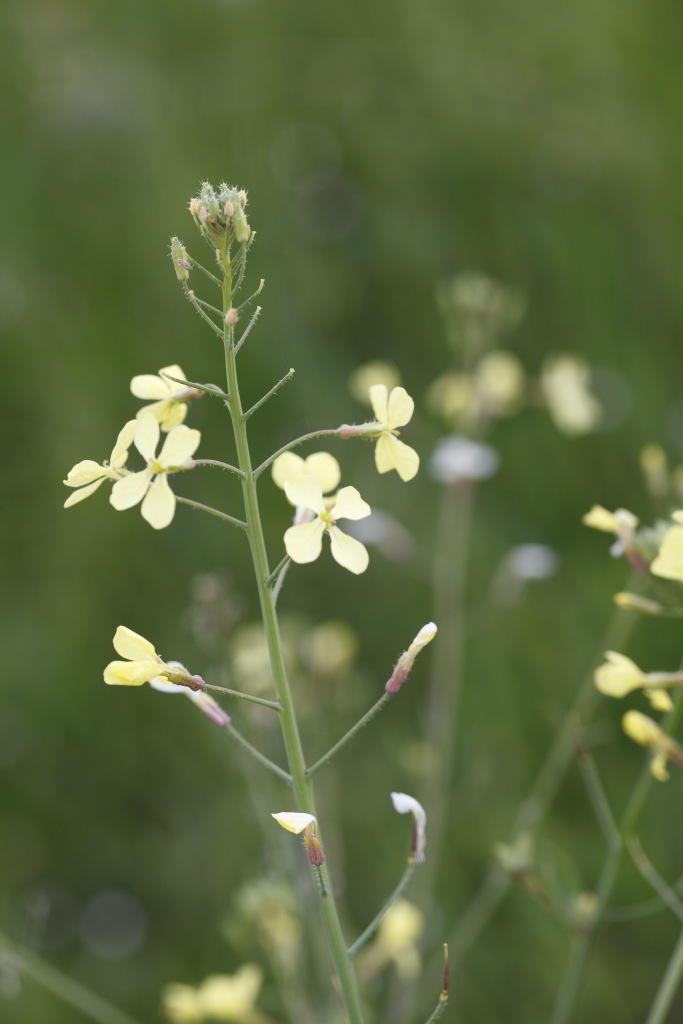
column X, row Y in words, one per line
column 405, row 662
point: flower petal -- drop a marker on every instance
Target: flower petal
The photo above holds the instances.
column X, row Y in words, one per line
column 304, row 542
column 158, row 506
column 172, row 415
column 286, row 467
column 123, row 442
column 130, row 490
column 348, row 551
column 148, row 385
column 180, row 445
column 294, row 821
column 83, row 492
column 379, row 402
column 400, row 408
column 147, row 437
column 350, row 505
column 133, row 646
column 130, row 673
column 305, row 490
column 390, row 453
column 325, row 468
column 84, row 473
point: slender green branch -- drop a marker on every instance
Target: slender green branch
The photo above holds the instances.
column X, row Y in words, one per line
column 220, row 465
column 212, row 511
column 251, row 297
column 207, row 305
column 597, row 795
column 275, row 768
column 292, row 444
column 269, row 394
column 274, row 704
column 193, row 299
column 247, row 330
column 280, row 580
column 276, row 572
column 369, row 931
column 208, row 389
column 443, row 996
column 368, row 716
column 669, row 986
column 646, row 867
column 208, row 273
column 70, row 991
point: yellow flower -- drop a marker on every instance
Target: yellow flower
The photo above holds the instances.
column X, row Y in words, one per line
column 322, row 466
column 407, row 659
column 88, row 475
column 169, row 406
column 565, row 383
column 151, row 486
column 669, row 560
column 220, row 997
column 298, row 822
column 610, row 522
column 143, row 664
column 392, row 411
column 646, row 732
column 397, row 937
column 303, row 542
column 368, row 374
column 618, row 675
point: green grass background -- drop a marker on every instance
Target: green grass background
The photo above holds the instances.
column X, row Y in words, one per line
column 385, row 147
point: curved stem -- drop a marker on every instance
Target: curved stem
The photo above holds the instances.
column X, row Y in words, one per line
column 273, row 704
column 212, row 511
column 275, row 768
column 384, row 699
column 219, row 465
column 367, row 933
column 331, row 432
column 668, row 987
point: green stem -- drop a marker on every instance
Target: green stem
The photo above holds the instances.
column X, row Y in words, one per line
column 70, row 991
column 332, row 432
column 245, row 696
column 220, row 465
column 269, row 394
column 666, row 894
column 205, row 316
column 213, row 511
column 369, row 931
column 290, row 731
column 384, row 699
column 208, row 273
column 668, row 987
column 275, row 768
column 206, row 388
column 254, row 317
column 272, row 578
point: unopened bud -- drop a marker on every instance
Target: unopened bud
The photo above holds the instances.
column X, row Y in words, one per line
column 229, row 209
column 231, row 318
column 316, row 857
column 405, row 662
column 182, row 264
column 210, row 708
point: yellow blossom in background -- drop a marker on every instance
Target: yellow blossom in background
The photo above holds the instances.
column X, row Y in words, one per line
column 645, row 731
column 150, row 486
column 169, row 400
column 303, row 542
column 220, row 997
column 396, row 943
column 329, row 648
column 451, row 396
column 498, row 383
column 669, row 560
column 618, row 675
column 391, row 411
column 87, row 476
column 368, row 375
column 655, row 470
column 322, row 466
column 565, row 383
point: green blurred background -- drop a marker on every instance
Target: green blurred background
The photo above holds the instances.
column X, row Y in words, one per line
column 385, row 147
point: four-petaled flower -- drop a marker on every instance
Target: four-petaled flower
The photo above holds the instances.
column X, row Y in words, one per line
column 618, row 675
column 322, row 466
column 143, row 664
column 150, row 486
column 87, row 476
column 169, row 399
column 391, row 411
column 304, row 541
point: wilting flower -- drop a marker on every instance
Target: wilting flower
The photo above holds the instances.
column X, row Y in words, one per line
column 405, row 804
column 298, row 822
column 220, row 997
column 322, row 466
column 143, row 664
column 88, row 475
column 669, row 561
column 565, row 383
column 169, row 405
column 392, row 411
column 646, row 732
column 151, row 486
column 304, row 541
column 405, row 662
column 206, row 704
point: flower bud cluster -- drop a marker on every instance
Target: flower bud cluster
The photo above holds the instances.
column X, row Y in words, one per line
column 220, row 215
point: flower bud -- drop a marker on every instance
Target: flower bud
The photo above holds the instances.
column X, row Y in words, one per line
column 182, row 264
column 405, row 662
column 231, row 318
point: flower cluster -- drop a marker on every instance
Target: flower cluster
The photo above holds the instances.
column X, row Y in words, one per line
column 220, row 997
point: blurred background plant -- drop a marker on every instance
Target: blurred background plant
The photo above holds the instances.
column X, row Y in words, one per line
column 528, row 151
